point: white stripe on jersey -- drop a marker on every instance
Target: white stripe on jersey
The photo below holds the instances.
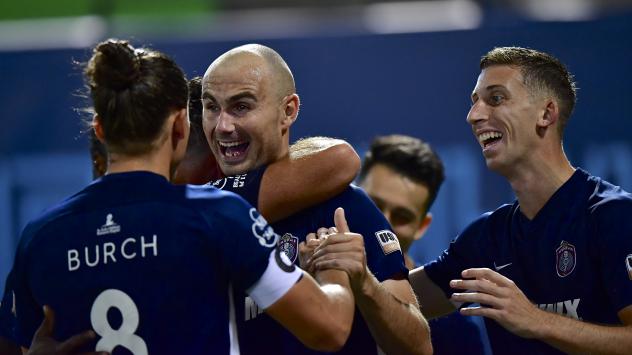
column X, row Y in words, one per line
column 232, row 324
column 276, row 281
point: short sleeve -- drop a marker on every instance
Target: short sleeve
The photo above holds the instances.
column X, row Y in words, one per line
column 384, row 255
column 613, row 230
column 27, row 311
column 463, row 253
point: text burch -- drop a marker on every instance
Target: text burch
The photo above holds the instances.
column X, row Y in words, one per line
column 129, row 249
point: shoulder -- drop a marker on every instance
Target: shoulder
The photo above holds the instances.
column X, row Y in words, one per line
column 491, row 219
column 609, row 206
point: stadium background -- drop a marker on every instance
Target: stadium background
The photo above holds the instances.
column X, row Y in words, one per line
column 362, row 69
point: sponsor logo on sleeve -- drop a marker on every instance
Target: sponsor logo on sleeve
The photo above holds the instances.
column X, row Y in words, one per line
column 566, row 258
column 388, row 241
column 110, row 227
column 628, row 265
column 262, row 230
column 289, row 245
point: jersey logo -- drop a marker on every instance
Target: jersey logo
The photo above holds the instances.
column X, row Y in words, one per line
column 566, row 259
column 568, row 308
column 289, row 245
column 220, row 184
column 262, row 230
column 388, row 241
column 628, row 265
column 500, row 267
column 110, row 227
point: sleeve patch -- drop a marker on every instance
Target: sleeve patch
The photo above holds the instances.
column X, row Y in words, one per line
column 388, row 241
column 628, row 265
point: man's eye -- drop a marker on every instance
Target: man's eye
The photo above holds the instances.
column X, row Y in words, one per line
column 496, row 99
column 242, row 107
column 399, row 219
column 211, row 107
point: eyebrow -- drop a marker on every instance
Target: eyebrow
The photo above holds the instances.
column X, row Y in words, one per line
column 488, row 88
column 243, row 95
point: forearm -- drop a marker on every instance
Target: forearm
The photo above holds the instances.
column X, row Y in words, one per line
column 340, row 300
column 577, row 337
column 397, row 327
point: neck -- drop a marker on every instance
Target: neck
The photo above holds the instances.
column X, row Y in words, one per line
column 535, row 180
column 153, row 162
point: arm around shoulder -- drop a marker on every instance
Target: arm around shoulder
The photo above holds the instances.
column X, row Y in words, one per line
column 317, row 169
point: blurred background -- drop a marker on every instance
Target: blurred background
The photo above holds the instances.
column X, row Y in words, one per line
column 363, row 68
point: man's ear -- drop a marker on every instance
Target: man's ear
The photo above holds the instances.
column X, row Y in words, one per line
column 98, row 129
column 180, row 128
column 291, row 105
column 423, row 227
column 549, row 116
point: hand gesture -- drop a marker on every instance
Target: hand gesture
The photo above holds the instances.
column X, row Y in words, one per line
column 342, row 251
column 43, row 342
column 501, row 301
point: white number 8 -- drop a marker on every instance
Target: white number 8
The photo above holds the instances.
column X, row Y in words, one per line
column 124, row 336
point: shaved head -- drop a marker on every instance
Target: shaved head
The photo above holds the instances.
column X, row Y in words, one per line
column 264, row 61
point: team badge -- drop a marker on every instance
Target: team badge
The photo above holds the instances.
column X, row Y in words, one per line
column 388, row 241
column 628, row 265
column 289, row 245
column 566, row 259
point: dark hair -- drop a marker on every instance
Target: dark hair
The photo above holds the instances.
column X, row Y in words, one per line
column 197, row 138
column 541, row 71
column 133, row 92
column 410, row 157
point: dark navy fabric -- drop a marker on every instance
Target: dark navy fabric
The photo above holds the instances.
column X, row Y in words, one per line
column 574, row 258
column 142, row 262
column 7, row 316
column 258, row 333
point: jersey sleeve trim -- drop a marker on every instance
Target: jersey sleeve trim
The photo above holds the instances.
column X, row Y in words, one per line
column 278, row 278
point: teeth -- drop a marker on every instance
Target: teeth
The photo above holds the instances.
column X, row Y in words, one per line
column 488, row 135
column 231, row 144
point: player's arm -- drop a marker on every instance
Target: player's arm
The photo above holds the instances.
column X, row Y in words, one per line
column 317, row 169
column 432, row 300
column 389, row 307
column 319, row 314
column 507, row 305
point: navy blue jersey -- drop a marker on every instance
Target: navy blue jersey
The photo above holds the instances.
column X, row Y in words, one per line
column 146, row 264
column 7, row 312
column 258, row 333
column 574, row 258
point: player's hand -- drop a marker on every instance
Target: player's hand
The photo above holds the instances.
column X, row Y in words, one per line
column 312, row 241
column 43, row 342
column 501, row 301
column 342, row 251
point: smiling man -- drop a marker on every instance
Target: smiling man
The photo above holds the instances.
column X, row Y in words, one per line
column 250, row 103
column 551, row 268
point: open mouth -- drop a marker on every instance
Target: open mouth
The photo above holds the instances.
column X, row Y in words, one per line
column 489, row 138
column 233, row 151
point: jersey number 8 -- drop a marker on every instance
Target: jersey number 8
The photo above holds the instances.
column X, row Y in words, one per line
column 124, row 336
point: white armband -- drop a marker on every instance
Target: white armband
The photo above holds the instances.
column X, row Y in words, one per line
column 278, row 278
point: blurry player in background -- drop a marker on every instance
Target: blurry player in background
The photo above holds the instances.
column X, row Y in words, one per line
column 402, row 175
column 550, row 268
column 150, row 266
column 250, row 102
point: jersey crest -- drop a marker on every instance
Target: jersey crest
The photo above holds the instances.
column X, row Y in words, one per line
column 289, row 245
column 566, row 259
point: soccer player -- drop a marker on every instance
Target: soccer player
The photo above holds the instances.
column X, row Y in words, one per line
column 151, row 266
column 402, row 175
column 552, row 270
column 327, row 164
column 250, row 103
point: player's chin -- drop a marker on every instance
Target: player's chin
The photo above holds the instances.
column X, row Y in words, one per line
column 230, row 168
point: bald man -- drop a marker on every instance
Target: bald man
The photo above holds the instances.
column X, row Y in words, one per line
column 250, row 103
